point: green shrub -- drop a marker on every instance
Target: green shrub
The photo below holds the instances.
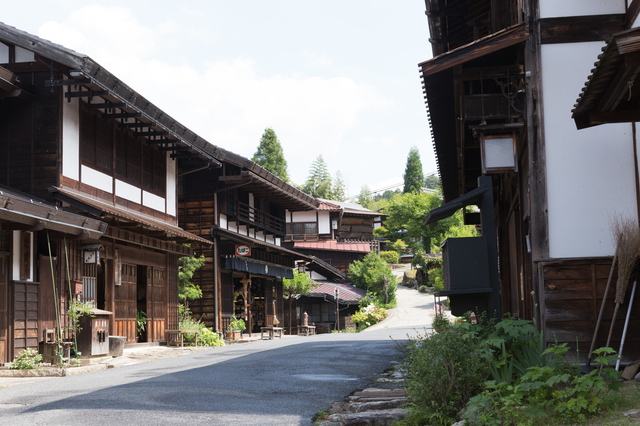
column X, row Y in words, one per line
column 187, row 322
column 398, row 246
column 207, row 337
column 422, row 289
column 374, row 275
column 368, row 315
column 444, row 371
column 390, row 257
column 27, row 360
column 435, row 279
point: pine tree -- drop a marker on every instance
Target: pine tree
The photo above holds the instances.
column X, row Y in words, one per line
column 413, row 177
column 338, row 188
column 270, row 155
column 319, row 181
column 365, row 197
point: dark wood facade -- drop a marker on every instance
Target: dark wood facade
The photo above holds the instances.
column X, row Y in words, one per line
column 487, row 71
column 240, row 204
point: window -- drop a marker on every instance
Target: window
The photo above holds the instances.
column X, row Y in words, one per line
column 136, row 162
column 302, row 228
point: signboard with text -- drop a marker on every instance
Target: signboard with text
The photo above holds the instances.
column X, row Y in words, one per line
column 242, row 250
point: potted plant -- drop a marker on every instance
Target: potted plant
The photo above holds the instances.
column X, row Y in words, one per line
column 440, row 321
column 235, row 328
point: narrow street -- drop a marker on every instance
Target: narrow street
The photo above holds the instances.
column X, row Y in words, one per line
column 280, row 382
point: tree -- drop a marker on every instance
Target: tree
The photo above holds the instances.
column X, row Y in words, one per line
column 270, row 155
column 188, row 291
column 374, row 275
column 338, row 192
column 365, row 198
column 432, row 182
column 406, row 214
column 319, row 181
column 300, row 284
column 413, row 177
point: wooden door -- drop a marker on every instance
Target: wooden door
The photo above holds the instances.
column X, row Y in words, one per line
column 156, row 301
column 4, row 312
column 125, row 304
column 25, row 316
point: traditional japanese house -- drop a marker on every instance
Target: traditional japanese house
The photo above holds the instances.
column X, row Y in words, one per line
column 330, row 305
column 240, row 208
column 27, row 302
column 500, row 89
column 74, row 135
column 336, row 232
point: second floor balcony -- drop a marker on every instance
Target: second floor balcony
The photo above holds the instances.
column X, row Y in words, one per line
column 243, row 215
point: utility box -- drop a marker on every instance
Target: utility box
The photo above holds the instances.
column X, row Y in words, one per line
column 93, row 339
column 465, row 271
column 465, row 263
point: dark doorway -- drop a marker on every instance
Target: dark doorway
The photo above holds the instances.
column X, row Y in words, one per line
column 141, row 302
column 101, row 286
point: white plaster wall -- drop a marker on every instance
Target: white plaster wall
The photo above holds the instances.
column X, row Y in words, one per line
column 16, row 256
column 324, row 223
column 172, row 173
column 128, row 192
column 24, row 55
column 278, row 241
column 71, row 139
column 97, row 179
column 4, row 53
column 309, row 216
column 223, row 221
column 636, row 23
column 270, row 239
column 590, row 172
column 556, row 8
column 316, row 276
column 153, row 201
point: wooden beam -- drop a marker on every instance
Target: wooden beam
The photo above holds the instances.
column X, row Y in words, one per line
column 576, row 29
column 150, row 133
column 619, row 87
column 632, row 13
column 66, row 82
column 136, row 124
column 122, row 115
column 106, row 105
column 484, row 46
column 597, row 118
column 85, row 94
column 174, row 148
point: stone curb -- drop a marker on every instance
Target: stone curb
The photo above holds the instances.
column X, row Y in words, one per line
column 52, row 372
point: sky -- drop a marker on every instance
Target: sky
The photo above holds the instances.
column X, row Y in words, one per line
column 337, row 78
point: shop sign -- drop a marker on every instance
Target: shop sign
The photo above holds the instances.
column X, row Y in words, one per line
column 243, row 250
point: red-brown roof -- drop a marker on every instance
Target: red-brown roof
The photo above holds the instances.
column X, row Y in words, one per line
column 326, row 205
column 347, row 293
column 333, row 245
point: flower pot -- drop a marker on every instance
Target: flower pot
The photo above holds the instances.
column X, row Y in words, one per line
column 237, row 335
column 229, row 335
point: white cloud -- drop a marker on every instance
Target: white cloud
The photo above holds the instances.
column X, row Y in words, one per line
column 228, row 102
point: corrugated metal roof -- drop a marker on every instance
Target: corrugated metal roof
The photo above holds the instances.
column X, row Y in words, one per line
column 333, row 245
column 347, row 293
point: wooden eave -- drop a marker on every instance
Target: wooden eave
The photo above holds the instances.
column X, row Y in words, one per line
column 268, row 186
column 438, row 90
column 167, row 230
column 85, row 76
column 609, row 95
column 241, row 239
column 23, row 209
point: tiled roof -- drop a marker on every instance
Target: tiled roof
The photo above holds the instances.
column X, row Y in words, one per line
column 347, row 293
column 327, row 205
column 333, row 245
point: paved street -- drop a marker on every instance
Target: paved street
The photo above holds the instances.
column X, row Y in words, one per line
column 280, row 382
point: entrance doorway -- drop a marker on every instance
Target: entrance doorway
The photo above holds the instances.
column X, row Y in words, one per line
column 141, row 303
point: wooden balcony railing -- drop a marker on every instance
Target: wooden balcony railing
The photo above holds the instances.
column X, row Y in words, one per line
column 302, row 237
column 260, row 220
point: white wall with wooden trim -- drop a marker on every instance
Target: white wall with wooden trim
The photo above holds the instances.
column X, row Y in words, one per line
column 71, row 139
column 96, row 179
column 324, row 222
column 309, row 216
column 172, row 186
column 560, row 8
column 590, row 172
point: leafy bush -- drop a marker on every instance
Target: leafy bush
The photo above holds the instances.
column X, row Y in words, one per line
column 445, row 370
column 391, row 257
column 547, row 391
column 422, row 289
column 369, row 315
column 435, row 279
column 187, row 322
column 208, row 338
column 374, row 275
column 27, row 360
column 398, row 246
column 237, row 324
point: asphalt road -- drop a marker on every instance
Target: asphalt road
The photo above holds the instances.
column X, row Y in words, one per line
column 279, row 382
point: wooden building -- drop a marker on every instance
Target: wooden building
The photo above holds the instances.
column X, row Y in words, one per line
column 503, row 80
column 240, row 208
column 338, row 233
column 75, row 136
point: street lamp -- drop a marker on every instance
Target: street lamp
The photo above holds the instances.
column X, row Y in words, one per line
column 337, row 291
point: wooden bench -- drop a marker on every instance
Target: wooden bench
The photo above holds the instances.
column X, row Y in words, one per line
column 182, row 333
column 304, row 330
column 271, row 332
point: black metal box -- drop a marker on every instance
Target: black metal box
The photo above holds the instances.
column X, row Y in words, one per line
column 465, row 264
